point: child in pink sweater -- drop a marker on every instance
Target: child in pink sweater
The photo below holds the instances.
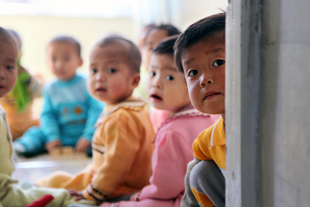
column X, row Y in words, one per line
column 167, row 90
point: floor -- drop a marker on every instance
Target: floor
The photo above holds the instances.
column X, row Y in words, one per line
column 31, row 169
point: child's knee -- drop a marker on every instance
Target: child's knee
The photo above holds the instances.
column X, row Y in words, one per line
column 207, row 178
column 206, row 172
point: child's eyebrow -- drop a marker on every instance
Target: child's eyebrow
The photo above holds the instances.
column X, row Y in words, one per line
column 213, row 50
column 11, row 60
column 219, row 49
column 188, row 61
column 165, row 68
column 170, row 68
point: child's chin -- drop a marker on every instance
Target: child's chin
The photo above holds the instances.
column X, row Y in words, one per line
column 158, row 106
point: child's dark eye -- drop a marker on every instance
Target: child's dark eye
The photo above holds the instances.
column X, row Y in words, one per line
column 112, row 70
column 152, row 73
column 9, row 67
column 169, row 77
column 218, row 63
column 93, row 70
column 192, row 73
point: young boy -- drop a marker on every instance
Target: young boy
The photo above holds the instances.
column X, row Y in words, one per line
column 18, row 103
column 122, row 144
column 200, row 53
column 10, row 193
column 69, row 112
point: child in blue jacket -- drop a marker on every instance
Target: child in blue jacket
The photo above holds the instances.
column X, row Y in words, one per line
column 69, row 112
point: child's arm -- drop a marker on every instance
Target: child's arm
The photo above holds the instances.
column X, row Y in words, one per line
column 94, row 110
column 122, row 144
column 49, row 120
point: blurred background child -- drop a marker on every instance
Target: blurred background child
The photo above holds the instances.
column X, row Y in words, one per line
column 19, row 102
column 200, row 53
column 69, row 112
column 122, row 143
column 10, row 193
column 154, row 36
column 140, row 91
column 167, row 91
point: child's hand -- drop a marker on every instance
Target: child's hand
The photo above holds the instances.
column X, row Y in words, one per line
column 77, row 194
column 50, row 146
column 82, row 145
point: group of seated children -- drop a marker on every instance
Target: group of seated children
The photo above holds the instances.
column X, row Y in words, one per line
column 131, row 166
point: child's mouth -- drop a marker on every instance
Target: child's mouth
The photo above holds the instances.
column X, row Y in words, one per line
column 154, row 96
column 101, row 90
column 211, row 95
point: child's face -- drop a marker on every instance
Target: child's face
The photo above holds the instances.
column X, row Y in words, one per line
column 110, row 77
column 63, row 60
column 204, row 68
column 166, row 85
column 8, row 66
column 155, row 37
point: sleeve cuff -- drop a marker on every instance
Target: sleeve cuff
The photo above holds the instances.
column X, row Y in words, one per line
column 52, row 138
column 91, row 193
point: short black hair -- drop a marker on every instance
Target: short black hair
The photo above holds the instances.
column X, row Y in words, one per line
column 169, row 28
column 6, row 35
column 131, row 50
column 15, row 35
column 166, row 46
column 200, row 30
column 68, row 39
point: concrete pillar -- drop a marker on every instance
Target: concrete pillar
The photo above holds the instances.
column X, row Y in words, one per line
column 268, row 113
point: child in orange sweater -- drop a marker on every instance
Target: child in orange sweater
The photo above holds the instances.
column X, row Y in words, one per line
column 122, row 144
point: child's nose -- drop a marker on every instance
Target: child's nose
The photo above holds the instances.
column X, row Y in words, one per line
column 100, row 76
column 206, row 79
column 157, row 83
column 58, row 64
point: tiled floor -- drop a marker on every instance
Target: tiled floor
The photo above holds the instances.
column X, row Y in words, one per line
column 32, row 169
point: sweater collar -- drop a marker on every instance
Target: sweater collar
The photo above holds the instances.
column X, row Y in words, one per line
column 131, row 103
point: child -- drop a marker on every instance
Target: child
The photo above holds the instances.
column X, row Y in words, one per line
column 141, row 39
column 140, row 91
column 69, row 112
column 200, row 53
column 10, row 193
column 153, row 37
column 122, row 143
column 167, row 91
column 18, row 103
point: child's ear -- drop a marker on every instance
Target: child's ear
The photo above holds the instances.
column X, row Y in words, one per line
column 80, row 62
column 135, row 80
